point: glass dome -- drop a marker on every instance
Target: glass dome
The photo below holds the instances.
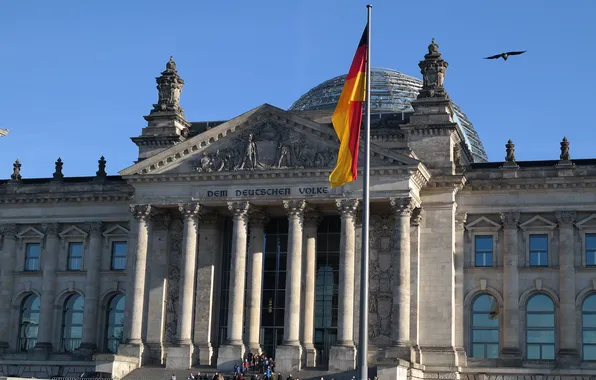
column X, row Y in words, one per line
column 391, row 92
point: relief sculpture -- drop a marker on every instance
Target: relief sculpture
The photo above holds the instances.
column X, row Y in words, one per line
column 175, row 252
column 266, row 147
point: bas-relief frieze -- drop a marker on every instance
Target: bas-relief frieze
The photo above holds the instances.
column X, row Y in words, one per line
column 172, row 304
column 381, row 273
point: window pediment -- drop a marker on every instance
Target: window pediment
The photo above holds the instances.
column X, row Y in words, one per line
column 483, row 224
column 73, row 231
column 538, row 223
column 30, row 232
column 116, row 230
column 587, row 223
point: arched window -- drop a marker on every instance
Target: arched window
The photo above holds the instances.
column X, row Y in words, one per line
column 540, row 328
column 28, row 323
column 589, row 328
column 485, row 327
column 115, row 323
column 72, row 323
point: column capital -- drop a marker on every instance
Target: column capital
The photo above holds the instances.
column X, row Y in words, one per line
column 51, row 229
column 460, row 219
column 510, row 219
column 347, row 207
column 9, row 230
column 402, row 206
column 312, row 218
column 417, row 216
column 295, row 207
column 189, row 210
column 565, row 218
column 140, row 212
column 258, row 218
column 239, row 209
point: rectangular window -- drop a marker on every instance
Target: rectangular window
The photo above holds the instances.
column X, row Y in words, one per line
column 538, row 250
column 119, row 249
column 483, row 247
column 75, row 256
column 591, row 249
column 32, row 253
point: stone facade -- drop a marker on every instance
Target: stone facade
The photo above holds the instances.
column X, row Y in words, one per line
column 176, row 262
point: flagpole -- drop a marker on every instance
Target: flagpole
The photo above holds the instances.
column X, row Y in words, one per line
column 363, row 331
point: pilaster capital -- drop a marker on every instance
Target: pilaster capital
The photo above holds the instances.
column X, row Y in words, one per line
column 295, row 207
column 510, row 219
column 565, row 218
column 347, row 207
column 189, row 210
column 417, row 216
column 402, row 206
column 51, row 229
column 258, row 218
column 9, row 230
column 140, row 212
column 239, row 209
column 460, row 219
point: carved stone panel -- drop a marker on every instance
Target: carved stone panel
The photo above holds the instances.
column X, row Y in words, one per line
column 172, row 305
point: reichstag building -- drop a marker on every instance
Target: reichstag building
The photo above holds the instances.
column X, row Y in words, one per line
column 224, row 238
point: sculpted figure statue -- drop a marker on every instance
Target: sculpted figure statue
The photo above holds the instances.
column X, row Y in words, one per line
column 284, row 155
column 250, row 158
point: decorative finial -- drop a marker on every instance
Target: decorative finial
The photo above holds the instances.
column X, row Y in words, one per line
column 16, row 171
column 101, row 173
column 58, row 176
column 171, row 65
column 565, row 150
column 510, row 149
column 169, row 86
column 433, row 69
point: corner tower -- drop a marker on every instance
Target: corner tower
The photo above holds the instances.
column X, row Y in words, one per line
column 166, row 123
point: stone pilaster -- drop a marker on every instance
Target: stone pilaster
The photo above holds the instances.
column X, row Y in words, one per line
column 415, row 221
column 342, row 356
column 288, row 355
column 9, row 253
column 311, row 224
column 209, row 249
column 568, row 355
column 49, row 260
column 511, row 353
column 93, row 266
column 135, row 291
column 458, row 261
column 233, row 351
column 401, row 347
column 180, row 355
column 255, row 279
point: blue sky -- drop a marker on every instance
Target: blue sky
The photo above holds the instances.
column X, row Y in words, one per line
column 78, row 76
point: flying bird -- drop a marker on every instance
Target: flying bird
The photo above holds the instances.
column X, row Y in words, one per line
column 506, row 55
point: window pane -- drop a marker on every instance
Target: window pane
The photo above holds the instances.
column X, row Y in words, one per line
column 590, row 303
column 533, row 352
column 119, row 249
column 484, row 320
column 541, row 320
column 539, row 242
column 32, row 253
column 548, row 352
column 492, row 351
column 486, row 336
column 478, row 350
column 542, row 336
column 482, row 303
column 75, row 256
column 589, row 320
column 540, row 302
column 589, row 352
column 589, row 337
column 484, row 243
column 591, row 257
column 590, row 242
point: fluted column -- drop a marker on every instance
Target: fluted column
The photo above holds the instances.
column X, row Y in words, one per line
column 255, row 279
column 311, row 225
column 510, row 353
column 402, row 208
column 458, row 262
column 92, row 266
column 189, row 212
column 233, row 351
column 136, row 294
column 289, row 355
column 49, row 259
column 568, row 354
column 9, row 253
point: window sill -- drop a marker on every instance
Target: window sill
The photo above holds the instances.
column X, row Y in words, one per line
column 28, row 273
column 539, row 269
column 71, row 273
column 115, row 272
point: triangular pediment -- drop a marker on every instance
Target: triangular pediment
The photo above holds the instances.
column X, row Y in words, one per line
column 30, row 232
column 538, row 222
column 265, row 138
column 483, row 224
column 587, row 223
column 116, row 230
column 73, row 231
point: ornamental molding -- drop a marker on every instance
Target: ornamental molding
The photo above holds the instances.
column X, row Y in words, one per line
column 116, row 230
column 73, row 231
column 483, row 224
column 538, row 223
column 30, row 232
column 241, row 125
column 508, row 186
column 64, row 198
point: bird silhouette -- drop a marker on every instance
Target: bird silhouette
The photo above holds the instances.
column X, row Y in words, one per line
column 506, row 55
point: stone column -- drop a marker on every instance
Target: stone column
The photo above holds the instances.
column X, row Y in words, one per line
column 568, row 354
column 255, row 279
column 209, row 244
column 401, row 348
column 415, row 222
column 92, row 266
column 311, row 225
column 9, row 253
column 288, row 355
column 180, row 355
column 510, row 353
column 458, row 262
column 49, row 260
column 342, row 356
column 135, row 291
column 233, row 351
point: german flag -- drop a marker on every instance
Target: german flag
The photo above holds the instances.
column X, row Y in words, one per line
column 347, row 117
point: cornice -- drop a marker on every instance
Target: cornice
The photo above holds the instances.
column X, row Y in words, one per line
column 488, row 185
column 455, row 182
column 64, row 198
column 158, row 140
